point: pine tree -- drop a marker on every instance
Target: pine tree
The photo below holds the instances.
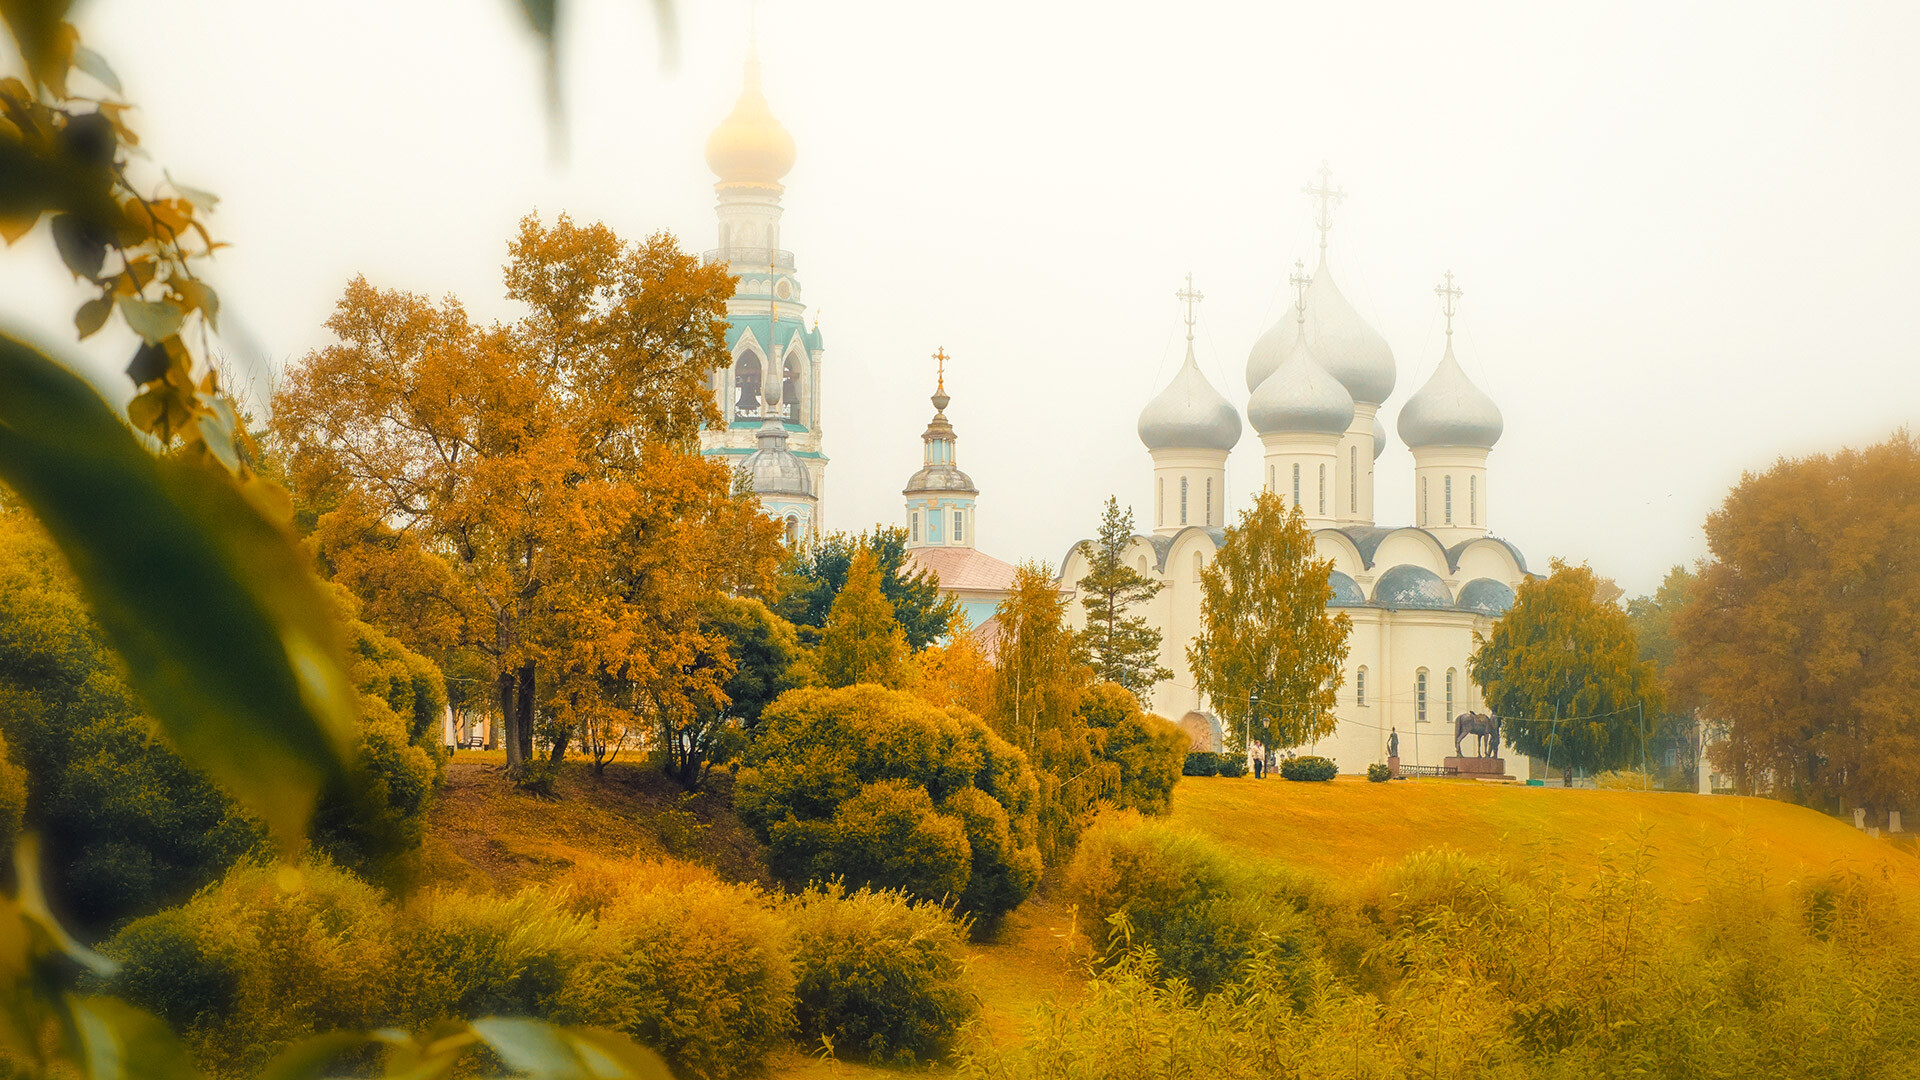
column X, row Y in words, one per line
column 1561, row 669
column 862, row 641
column 1124, row 649
column 1268, row 654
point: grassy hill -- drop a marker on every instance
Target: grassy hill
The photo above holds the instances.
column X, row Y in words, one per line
column 483, row 834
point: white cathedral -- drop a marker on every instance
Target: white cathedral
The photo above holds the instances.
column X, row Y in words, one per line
column 1417, row 594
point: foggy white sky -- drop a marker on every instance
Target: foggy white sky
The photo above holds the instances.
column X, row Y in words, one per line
column 1687, row 234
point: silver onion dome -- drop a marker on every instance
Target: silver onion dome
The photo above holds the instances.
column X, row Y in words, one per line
column 1189, row 414
column 1450, row 411
column 1346, row 346
column 1379, row 437
column 772, row 469
column 1300, row 396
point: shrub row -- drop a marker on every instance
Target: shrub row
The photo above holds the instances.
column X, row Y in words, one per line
column 1204, row 763
column 712, row 975
column 1308, row 767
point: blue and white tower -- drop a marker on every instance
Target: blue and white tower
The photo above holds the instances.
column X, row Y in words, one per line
column 775, row 380
column 940, row 498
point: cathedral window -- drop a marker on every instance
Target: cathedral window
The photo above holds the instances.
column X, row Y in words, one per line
column 1199, row 564
column 914, row 518
column 1423, row 500
column 959, row 526
column 1449, row 714
column 1269, row 478
column 1296, row 483
column 1360, row 685
column 790, row 390
column 1473, row 500
column 1420, row 696
column 1183, row 500
column 1323, row 490
column 1353, row 479
column 1160, row 500
column 1209, row 519
column 793, row 529
column 1446, row 484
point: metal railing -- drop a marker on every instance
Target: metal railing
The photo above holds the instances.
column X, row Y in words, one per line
column 749, row 256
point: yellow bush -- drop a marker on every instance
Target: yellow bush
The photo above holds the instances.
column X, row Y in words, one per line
column 462, row 956
column 878, row 975
column 700, row 971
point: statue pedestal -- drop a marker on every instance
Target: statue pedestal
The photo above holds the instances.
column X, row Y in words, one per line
column 1393, row 766
column 1489, row 767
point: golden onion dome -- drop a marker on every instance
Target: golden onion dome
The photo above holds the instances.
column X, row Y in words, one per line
column 750, row 146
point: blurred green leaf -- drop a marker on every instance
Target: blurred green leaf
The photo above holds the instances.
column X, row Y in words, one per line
column 154, row 320
column 92, row 316
column 610, row 1054
column 223, row 629
column 96, row 65
column 120, row 1042
column 309, row 1059
column 532, row 1048
column 32, row 898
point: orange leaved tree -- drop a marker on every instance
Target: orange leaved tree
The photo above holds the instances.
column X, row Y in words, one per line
column 529, row 491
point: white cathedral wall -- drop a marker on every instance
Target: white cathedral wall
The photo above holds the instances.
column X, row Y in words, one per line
column 1466, row 469
column 1354, row 468
column 1205, row 472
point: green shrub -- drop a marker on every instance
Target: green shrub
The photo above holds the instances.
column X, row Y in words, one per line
column 1182, row 896
column 881, row 789
column 1309, row 768
column 1148, row 751
column 1201, row 763
column 463, row 956
column 1230, row 764
column 165, row 967
column 878, row 975
column 699, row 971
column 1378, row 773
column 265, row 956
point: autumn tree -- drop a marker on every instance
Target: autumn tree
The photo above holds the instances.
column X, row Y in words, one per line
column 1562, row 671
column 1802, row 636
column 958, row 672
column 1124, row 649
column 1268, row 654
column 1040, row 680
column 814, row 574
column 474, row 477
column 1653, row 617
column 862, row 642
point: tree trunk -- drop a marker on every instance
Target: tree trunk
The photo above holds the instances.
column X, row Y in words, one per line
column 510, row 736
column 524, row 707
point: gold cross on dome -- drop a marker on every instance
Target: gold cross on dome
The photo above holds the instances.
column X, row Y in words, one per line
column 940, row 354
column 1328, row 197
column 1449, row 294
column 1300, row 280
column 1189, row 296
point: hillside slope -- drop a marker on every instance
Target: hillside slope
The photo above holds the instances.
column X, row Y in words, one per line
column 484, row 835
column 1343, row 827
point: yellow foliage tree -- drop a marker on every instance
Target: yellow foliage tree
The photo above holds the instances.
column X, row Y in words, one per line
column 863, row 642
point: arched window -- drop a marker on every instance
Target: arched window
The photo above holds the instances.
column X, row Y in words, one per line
column 746, row 384
column 793, row 529
column 1296, row 483
column 914, row 518
column 1199, row 564
column 1141, row 565
column 1323, row 491
column 1449, row 714
column 1353, row 479
column 1269, row 478
column 1423, row 500
column 959, row 526
column 1183, row 500
column 1420, row 696
column 1446, row 484
column 1209, row 519
column 1360, row 686
column 1473, row 500
column 1160, row 500
column 790, row 389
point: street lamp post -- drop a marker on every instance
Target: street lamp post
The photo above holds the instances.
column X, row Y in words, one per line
column 1253, row 699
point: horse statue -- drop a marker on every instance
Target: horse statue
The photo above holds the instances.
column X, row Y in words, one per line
column 1484, row 727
